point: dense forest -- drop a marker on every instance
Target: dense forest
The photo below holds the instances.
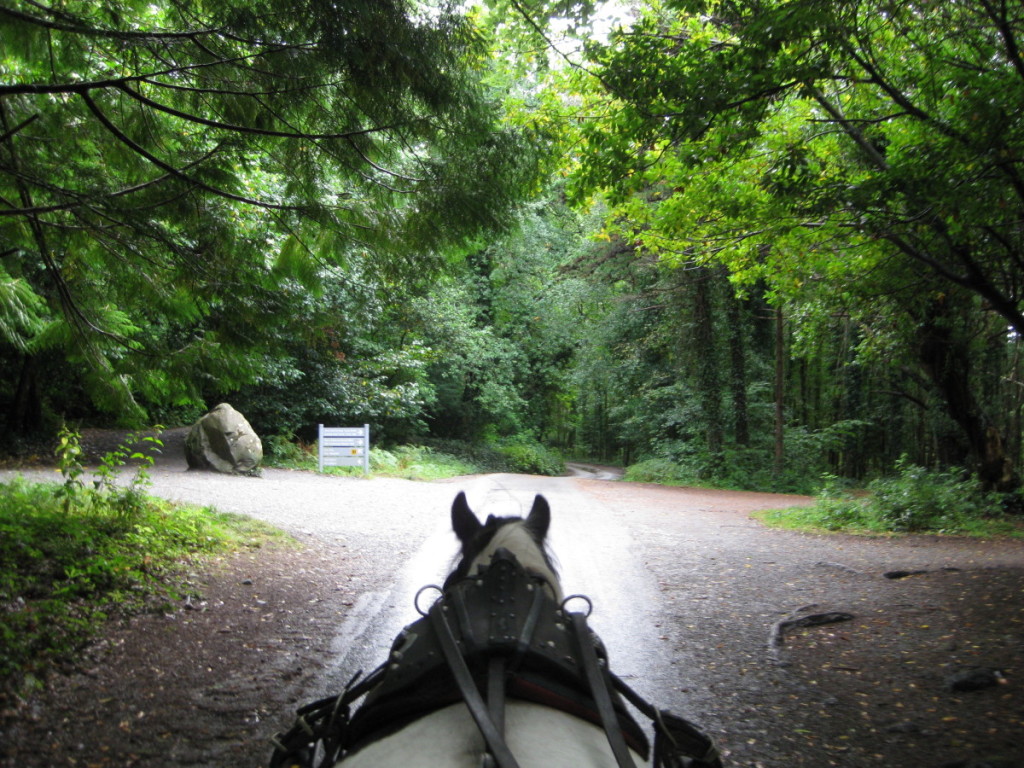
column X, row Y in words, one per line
column 752, row 242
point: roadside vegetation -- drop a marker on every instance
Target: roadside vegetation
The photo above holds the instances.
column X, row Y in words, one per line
column 78, row 553
column 437, row 460
column 916, row 500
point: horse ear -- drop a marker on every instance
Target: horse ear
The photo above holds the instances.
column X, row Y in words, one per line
column 539, row 519
column 464, row 522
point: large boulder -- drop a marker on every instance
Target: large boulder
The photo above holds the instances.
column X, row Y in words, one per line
column 223, row 441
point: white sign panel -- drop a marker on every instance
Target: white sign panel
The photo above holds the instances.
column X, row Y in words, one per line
column 344, row 447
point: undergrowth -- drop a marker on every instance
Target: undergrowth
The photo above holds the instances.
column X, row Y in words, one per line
column 916, row 500
column 733, row 470
column 75, row 554
column 437, row 460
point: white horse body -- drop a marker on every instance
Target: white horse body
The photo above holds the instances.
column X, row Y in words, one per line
column 538, row 736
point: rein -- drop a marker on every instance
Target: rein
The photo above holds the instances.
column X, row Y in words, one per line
column 487, row 638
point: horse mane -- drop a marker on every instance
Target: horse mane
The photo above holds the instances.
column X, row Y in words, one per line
column 476, row 538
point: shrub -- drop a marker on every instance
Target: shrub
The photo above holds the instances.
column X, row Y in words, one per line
column 919, row 499
column 516, row 454
column 742, row 469
column 67, row 568
column 436, row 459
column 660, row 470
column 418, row 462
column 529, row 457
column 483, row 456
column 286, row 451
column 915, row 500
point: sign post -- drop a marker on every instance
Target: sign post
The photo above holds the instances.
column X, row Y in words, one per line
column 344, row 447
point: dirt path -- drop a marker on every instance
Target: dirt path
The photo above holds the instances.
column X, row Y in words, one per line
column 867, row 692
column 208, row 684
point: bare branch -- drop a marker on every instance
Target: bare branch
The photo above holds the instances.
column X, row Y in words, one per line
column 23, row 124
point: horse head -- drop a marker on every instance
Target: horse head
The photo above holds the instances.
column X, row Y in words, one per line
column 526, row 538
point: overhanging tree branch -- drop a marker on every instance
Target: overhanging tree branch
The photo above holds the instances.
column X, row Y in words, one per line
column 17, row 128
column 17, row 89
column 135, row 147
column 78, row 203
column 849, row 128
column 123, row 87
column 83, row 29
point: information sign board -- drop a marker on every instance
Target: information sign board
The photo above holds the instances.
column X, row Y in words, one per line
column 344, row 447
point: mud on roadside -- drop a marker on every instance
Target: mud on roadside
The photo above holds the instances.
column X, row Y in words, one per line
column 204, row 685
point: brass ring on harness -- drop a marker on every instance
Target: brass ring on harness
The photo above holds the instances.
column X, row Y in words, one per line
column 416, row 600
column 584, row 598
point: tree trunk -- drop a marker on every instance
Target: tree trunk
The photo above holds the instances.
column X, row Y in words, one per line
column 709, row 380
column 26, row 411
column 738, row 366
column 780, row 383
column 946, row 359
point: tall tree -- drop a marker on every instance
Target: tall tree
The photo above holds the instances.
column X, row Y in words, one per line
column 164, row 165
column 806, row 141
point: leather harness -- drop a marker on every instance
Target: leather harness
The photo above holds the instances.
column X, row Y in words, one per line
column 492, row 636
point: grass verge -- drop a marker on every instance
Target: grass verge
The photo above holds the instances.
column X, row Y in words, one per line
column 915, row 500
column 822, row 518
column 66, row 568
column 441, row 460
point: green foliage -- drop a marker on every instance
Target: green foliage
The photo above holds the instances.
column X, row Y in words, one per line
column 528, row 456
column 285, row 451
column 516, row 454
column 69, row 452
column 751, row 468
column 856, row 164
column 126, row 502
column 22, row 311
column 409, row 462
column 661, row 471
column 439, row 459
column 181, row 184
column 66, row 571
column 485, row 457
column 417, row 462
column 917, row 500
column 501, row 331
column 360, row 252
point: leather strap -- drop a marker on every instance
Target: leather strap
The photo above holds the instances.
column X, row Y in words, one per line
column 496, row 691
column 677, row 742
column 530, row 625
column 599, row 690
column 467, row 686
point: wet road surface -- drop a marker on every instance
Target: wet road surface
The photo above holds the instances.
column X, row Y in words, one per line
column 595, row 556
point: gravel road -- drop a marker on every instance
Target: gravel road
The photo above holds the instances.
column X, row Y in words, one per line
column 686, row 587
